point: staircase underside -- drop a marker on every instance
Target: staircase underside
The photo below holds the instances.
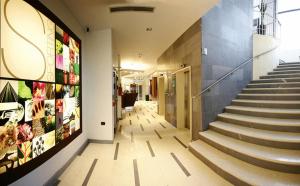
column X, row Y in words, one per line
column 256, row 141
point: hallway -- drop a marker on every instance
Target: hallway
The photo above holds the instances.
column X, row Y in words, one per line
column 147, row 150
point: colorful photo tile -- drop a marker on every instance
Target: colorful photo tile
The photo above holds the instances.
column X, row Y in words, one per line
column 66, row 91
column 59, row 105
column 25, row 89
column 38, row 109
column 59, row 33
column 50, row 123
column 59, row 76
column 66, row 56
column 59, row 134
column 59, row 58
column 24, row 152
column 59, row 47
column 66, row 130
column 72, row 91
column 72, row 126
column 28, row 110
column 39, row 90
column 72, row 78
column 77, row 90
column 43, row 143
column 8, row 91
column 38, row 127
column 72, row 44
column 66, row 38
column 69, row 107
column 59, row 120
column 50, row 107
column 38, row 146
column 25, row 133
column 11, row 113
column 72, row 56
column 8, row 157
column 50, row 91
column 58, row 91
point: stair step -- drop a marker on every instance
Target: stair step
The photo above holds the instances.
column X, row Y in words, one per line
column 282, row 160
column 239, row 172
column 283, row 140
column 279, row 80
column 290, row 63
column 267, row 103
column 269, row 96
column 276, row 76
column 274, row 85
column 264, row 112
column 287, row 68
column 273, row 124
column 271, row 90
column 285, row 72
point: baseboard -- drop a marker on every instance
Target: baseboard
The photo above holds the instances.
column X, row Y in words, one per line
column 101, row 141
column 54, row 179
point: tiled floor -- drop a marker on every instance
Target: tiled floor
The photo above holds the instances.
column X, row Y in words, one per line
column 145, row 152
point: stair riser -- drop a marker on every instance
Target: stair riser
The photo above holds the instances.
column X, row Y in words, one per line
column 289, row 66
column 290, row 63
column 290, row 85
column 275, row 80
column 235, row 180
column 253, row 160
column 283, row 72
column 258, row 141
column 267, row 105
column 264, row 114
column 281, row 128
column 273, row 97
column 280, row 91
column 280, row 76
column 284, row 69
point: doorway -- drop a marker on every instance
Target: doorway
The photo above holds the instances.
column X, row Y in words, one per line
column 183, row 99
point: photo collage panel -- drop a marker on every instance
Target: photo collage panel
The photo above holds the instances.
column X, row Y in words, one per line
column 39, row 87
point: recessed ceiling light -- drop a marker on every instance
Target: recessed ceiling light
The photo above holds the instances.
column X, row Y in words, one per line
column 149, row 29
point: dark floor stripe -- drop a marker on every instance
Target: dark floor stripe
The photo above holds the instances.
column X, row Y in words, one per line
column 150, row 149
column 179, row 141
column 86, row 180
column 116, row 151
column 120, row 128
column 129, row 114
column 130, row 122
column 137, row 117
column 162, row 125
column 186, row 172
column 131, row 134
column 142, row 127
column 148, row 121
column 158, row 134
column 152, row 116
column 136, row 173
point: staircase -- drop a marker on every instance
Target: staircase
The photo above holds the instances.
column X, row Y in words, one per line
column 256, row 141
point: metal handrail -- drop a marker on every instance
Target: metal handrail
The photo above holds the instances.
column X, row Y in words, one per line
column 232, row 71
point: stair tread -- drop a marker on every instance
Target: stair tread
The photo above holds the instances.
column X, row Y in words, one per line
column 259, row 133
column 276, row 79
column 274, row 75
column 244, row 94
column 251, row 174
column 286, row 88
column 281, row 83
column 291, row 157
column 269, row 110
column 266, row 101
column 263, row 120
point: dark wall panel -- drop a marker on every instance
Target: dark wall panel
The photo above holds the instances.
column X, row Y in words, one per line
column 227, row 34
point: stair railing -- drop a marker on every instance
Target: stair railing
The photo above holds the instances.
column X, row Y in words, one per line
column 218, row 81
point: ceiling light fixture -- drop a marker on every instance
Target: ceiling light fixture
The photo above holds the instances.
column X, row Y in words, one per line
column 149, row 29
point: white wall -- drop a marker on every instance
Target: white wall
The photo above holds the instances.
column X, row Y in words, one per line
column 43, row 173
column 266, row 63
column 292, row 55
column 98, row 45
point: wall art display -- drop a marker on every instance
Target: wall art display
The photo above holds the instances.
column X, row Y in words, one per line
column 40, row 87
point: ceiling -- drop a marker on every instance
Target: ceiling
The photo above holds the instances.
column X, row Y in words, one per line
column 138, row 48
